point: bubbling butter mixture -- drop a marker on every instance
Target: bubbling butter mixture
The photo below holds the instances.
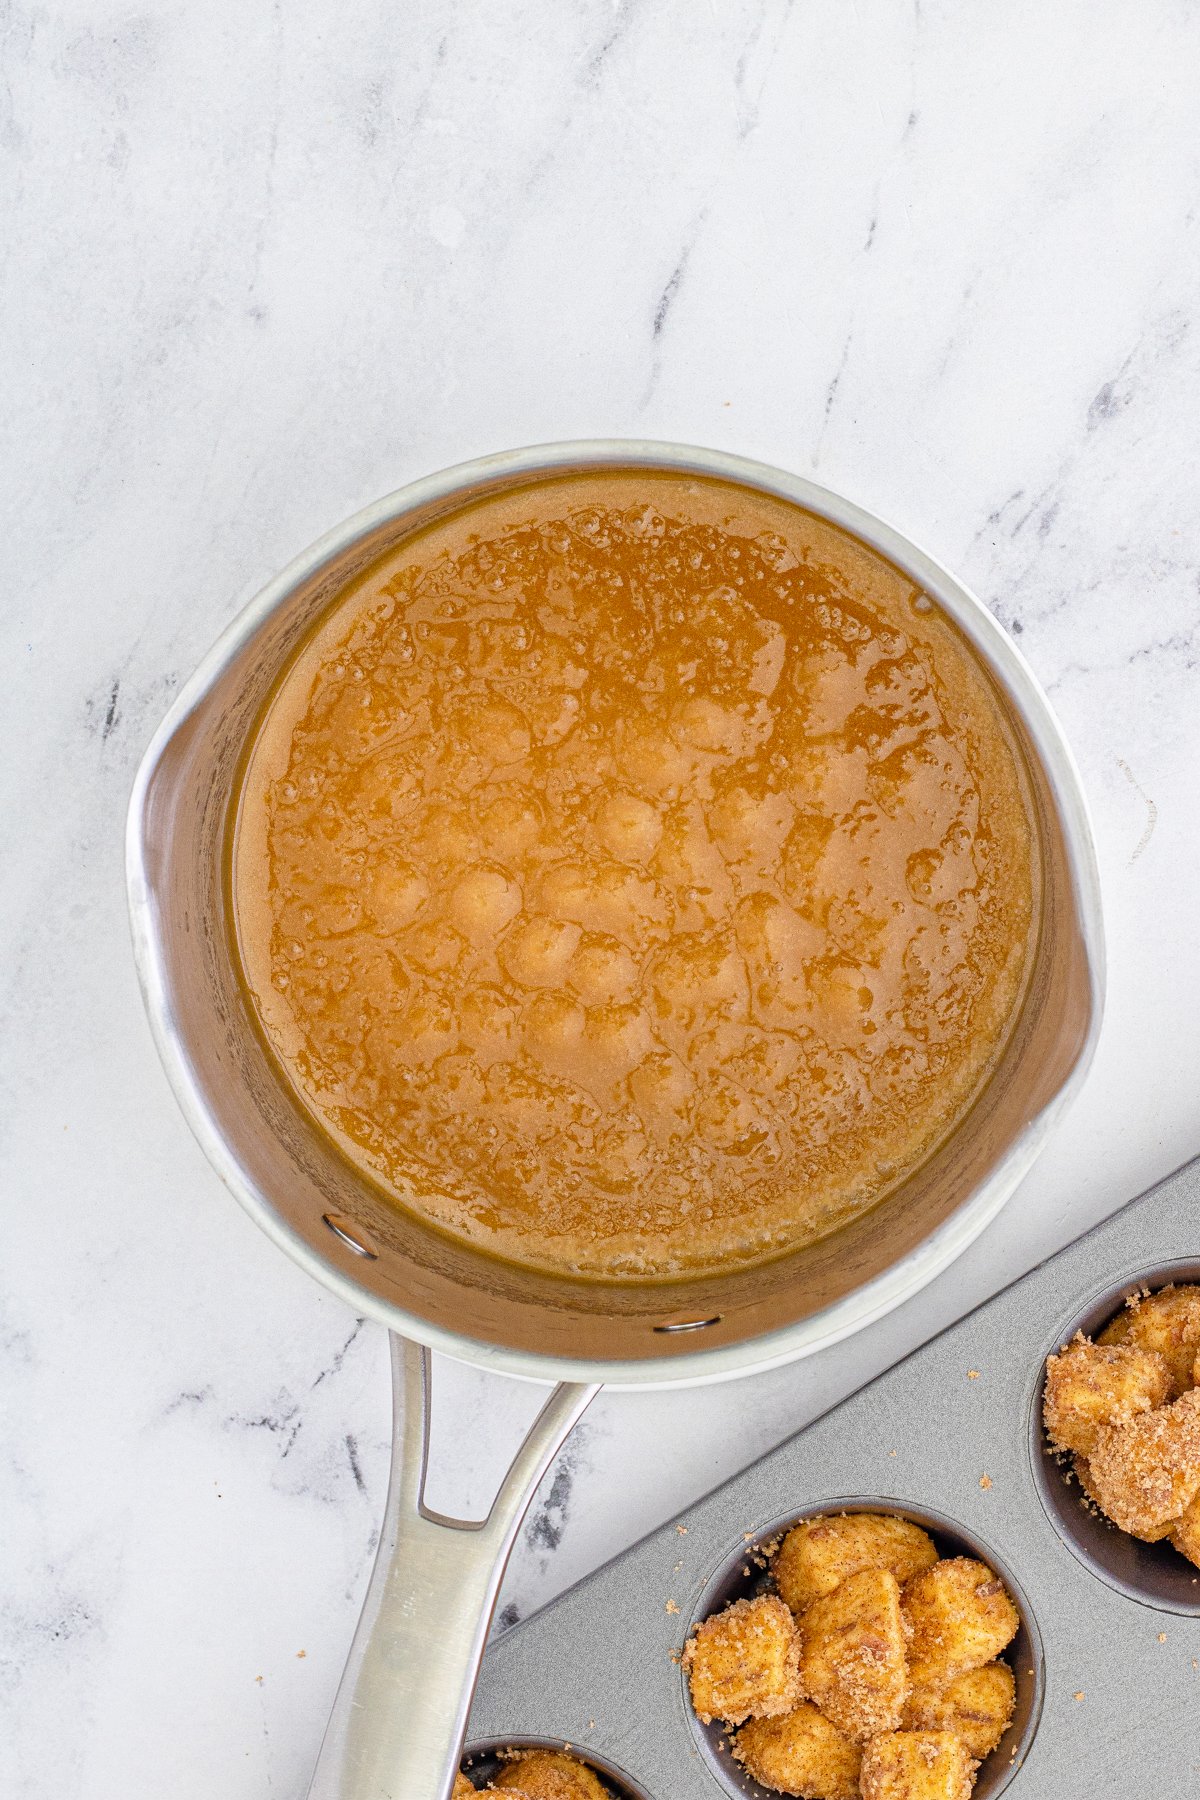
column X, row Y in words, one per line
column 635, row 875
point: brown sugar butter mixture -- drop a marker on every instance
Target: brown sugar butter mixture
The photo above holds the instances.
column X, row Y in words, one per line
column 635, row 875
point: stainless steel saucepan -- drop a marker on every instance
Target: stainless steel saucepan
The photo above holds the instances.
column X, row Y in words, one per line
column 402, row 1705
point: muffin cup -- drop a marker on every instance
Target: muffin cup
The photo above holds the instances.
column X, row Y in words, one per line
column 744, row 1574
column 1155, row 1575
column 484, row 1756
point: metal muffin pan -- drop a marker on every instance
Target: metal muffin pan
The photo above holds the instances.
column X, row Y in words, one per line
column 951, row 1432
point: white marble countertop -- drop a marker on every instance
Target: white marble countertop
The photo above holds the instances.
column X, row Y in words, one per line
column 263, row 263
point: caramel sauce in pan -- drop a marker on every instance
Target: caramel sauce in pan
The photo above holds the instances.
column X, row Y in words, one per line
column 635, row 875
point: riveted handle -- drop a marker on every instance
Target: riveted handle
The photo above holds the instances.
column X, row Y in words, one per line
column 397, row 1723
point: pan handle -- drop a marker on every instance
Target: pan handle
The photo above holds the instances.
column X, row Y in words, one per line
column 397, row 1724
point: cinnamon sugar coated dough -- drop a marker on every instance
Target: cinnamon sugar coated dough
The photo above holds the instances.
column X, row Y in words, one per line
column 977, row 1707
column 636, row 875
column 744, row 1662
column 1090, row 1386
column 1128, row 1408
column 1145, row 1475
column 1185, row 1532
column 549, row 1775
column 818, row 1554
column 1167, row 1324
column 853, row 1660
column 800, row 1753
column 959, row 1616
column 917, row 1765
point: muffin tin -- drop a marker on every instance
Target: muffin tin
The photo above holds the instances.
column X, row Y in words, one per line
column 1108, row 1661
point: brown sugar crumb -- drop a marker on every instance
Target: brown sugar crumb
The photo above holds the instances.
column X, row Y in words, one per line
column 682, row 1530
column 972, row 1374
column 1079, row 1695
column 959, row 1617
column 985, row 1481
column 671, row 1607
column 301, row 1653
column 917, row 1765
column 1145, row 1475
column 1087, row 1498
column 1162, row 1637
column 800, row 1753
column 852, row 1663
column 743, row 1663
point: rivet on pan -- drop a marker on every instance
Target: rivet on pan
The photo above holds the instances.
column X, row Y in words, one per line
column 352, row 1235
column 689, row 1324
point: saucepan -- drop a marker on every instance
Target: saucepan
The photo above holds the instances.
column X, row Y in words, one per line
column 401, row 1708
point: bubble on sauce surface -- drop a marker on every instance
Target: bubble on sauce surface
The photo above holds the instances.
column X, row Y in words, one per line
column 539, row 951
column 640, row 887
column 629, row 828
